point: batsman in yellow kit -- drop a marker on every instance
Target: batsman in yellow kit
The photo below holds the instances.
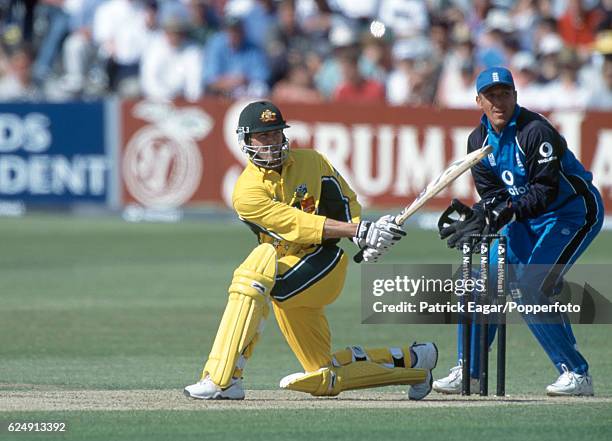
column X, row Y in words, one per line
column 300, row 207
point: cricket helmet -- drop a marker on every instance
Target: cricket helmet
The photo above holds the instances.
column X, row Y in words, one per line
column 258, row 117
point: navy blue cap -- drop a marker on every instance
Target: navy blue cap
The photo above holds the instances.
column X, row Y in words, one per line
column 492, row 77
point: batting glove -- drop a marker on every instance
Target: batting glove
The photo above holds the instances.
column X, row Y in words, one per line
column 378, row 235
column 371, row 255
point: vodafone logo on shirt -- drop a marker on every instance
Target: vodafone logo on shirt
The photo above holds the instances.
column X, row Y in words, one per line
column 507, row 177
column 546, row 152
column 546, row 149
column 514, row 190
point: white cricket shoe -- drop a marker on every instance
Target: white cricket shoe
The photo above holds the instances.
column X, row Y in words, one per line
column 451, row 384
column 288, row 379
column 205, row 389
column 426, row 358
column 571, row 384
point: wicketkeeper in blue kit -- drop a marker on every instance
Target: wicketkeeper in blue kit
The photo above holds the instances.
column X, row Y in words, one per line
column 539, row 195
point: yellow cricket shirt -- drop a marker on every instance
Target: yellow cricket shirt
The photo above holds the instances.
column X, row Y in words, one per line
column 289, row 208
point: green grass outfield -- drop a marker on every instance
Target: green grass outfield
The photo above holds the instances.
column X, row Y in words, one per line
column 105, row 305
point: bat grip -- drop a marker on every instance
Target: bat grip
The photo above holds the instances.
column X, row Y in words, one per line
column 358, row 258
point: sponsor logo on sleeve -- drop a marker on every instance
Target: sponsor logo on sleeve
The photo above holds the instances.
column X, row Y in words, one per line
column 546, row 152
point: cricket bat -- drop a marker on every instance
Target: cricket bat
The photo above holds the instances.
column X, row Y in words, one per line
column 452, row 172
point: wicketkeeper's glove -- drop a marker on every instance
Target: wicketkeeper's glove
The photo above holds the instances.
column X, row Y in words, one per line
column 498, row 212
column 459, row 222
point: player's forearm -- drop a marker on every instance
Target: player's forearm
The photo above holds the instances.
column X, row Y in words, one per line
column 536, row 201
column 333, row 229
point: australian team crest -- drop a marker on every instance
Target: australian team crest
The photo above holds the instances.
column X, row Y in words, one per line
column 301, row 190
column 302, row 200
column 267, row 116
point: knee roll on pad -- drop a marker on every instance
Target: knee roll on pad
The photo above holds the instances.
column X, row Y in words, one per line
column 389, row 357
column 255, row 276
column 244, row 316
column 358, row 368
column 331, row 381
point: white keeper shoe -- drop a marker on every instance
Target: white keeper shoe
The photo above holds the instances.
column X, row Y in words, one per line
column 451, row 384
column 571, row 384
column 426, row 358
column 207, row 390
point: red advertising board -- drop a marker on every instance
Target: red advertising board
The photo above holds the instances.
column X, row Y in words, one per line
column 187, row 154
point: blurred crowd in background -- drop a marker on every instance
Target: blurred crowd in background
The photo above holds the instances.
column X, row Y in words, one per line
column 402, row 52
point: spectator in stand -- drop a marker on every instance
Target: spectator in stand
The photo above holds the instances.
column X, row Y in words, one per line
column 234, row 67
column 459, row 96
column 315, row 34
column 439, row 43
column 550, row 47
column 375, row 59
column 410, row 81
column 545, row 27
column 439, row 34
column 524, row 18
column 79, row 49
column 235, row 8
column 17, row 84
column 600, row 85
column 405, row 18
column 58, row 17
column 4, row 61
column 315, row 17
column 601, row 97
column 258, row 21
column 172, row 64
column 297, row 87
column 343, row 38
column 359, row 11
column 17, row 20
column 475, row 17
column 206, row 20
column 354, row 87
column 401, row 78
column 287, row 42
column 525, row 72
column 456, row 84
column 579, row 23
column 492, row 48
column 550, row 8
column 122, row 29
column 565, row 93
column 605, row 7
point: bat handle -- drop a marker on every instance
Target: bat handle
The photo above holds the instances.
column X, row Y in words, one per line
column 358, row 258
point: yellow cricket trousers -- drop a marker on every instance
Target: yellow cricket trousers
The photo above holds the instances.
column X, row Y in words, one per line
column 305, row 283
